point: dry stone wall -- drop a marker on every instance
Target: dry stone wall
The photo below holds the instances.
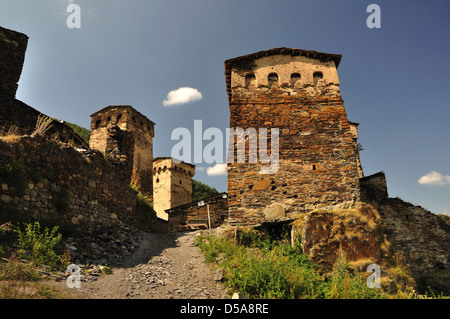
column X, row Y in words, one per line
column 421, row 238
column 43, row 180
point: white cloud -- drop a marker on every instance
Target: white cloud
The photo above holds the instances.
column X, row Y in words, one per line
column 218, row 169
column 434, row 178
column 181, row 96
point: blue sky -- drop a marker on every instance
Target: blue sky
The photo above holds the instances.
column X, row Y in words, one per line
column 394, row 80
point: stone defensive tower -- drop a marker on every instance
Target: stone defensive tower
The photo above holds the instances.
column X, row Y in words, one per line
column 172, row 184
column 121, row 132
column 12, row 56
column 296, row 91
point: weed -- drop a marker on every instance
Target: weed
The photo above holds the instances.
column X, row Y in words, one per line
column 43, row 124
column 39, row 246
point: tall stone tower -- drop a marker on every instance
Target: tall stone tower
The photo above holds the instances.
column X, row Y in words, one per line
column 108, row 128
column 172, row 184
column 297, row 92
column 12, row 56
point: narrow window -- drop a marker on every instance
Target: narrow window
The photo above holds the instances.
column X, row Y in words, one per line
column 250, row 79
column 109, row 119
column 294, row 78
column 316, row 77
column 97, row 124
column 314, row 167
column 119, row 117
column 157, row 180
column 273, row 77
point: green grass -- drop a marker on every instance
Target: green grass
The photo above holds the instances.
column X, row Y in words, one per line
column 275, row 270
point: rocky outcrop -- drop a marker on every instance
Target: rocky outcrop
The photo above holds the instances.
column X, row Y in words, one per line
column 354, row 229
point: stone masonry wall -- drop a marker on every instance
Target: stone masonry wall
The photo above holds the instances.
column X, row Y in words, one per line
column 420, row 237
column 299, row 95
column 42, row 180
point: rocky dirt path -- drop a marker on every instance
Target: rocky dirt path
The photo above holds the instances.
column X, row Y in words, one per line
column 162, row 267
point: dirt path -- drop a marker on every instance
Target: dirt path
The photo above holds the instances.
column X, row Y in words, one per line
column 163, row 267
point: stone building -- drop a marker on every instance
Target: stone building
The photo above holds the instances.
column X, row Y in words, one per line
column 296, row 91
column 201, row 214
column 172, row 184
column 106, row 125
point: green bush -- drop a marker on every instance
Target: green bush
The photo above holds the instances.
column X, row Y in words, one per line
column 40, row 246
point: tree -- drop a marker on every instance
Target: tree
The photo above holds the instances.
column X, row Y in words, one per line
column 201, row 191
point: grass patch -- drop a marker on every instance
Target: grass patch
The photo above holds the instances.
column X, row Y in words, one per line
column 265, row 268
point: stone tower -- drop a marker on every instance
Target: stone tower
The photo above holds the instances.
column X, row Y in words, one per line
column 172, row 184
column 297, row 92
column 120, row 131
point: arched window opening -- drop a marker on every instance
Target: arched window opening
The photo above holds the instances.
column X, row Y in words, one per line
column 250, row 79
column 273, row 78
column 294, row 78
column 316, row 77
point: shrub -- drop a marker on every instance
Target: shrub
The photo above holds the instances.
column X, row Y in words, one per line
column 39, row 246
column 345, row 284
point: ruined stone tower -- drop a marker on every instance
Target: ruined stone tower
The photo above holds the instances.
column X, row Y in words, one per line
column 296, row 91
column 121, row 132
column 172, row 184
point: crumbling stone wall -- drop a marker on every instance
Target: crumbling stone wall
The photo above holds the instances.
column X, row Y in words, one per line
column 43, row 180
column 297, row 92
column 420, row 237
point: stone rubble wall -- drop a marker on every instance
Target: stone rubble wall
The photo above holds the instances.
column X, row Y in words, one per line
column 65, row 185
